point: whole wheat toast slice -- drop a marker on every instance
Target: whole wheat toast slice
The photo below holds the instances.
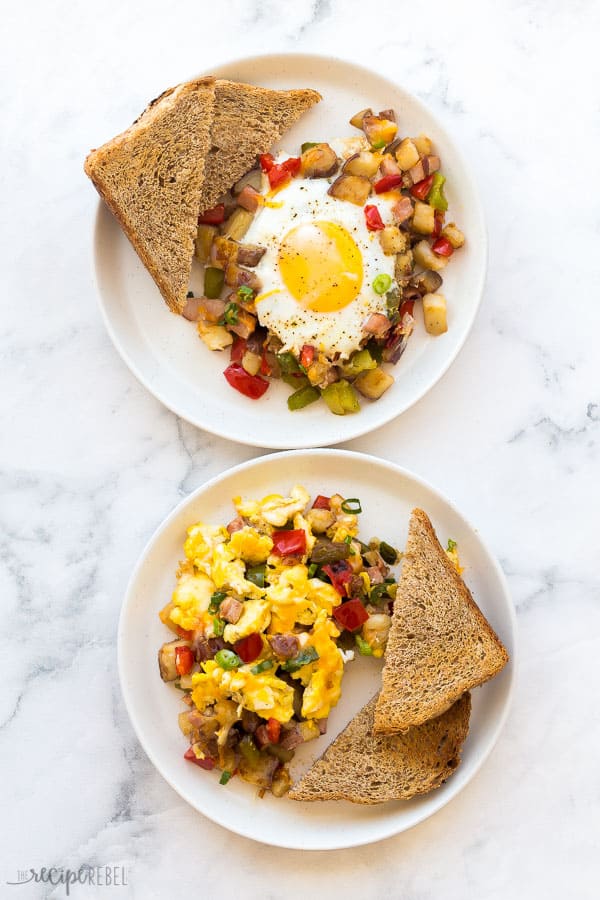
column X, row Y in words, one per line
column 247, row 121
column 440, row 644
column 369, row 768
column 151, row 177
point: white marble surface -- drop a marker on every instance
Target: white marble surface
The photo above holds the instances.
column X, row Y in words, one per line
column 90, row 463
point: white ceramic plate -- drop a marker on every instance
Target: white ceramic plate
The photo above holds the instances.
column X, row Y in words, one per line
column 388, row 494
column 164, row 351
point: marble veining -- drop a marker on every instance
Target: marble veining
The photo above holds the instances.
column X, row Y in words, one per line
column 90, row 463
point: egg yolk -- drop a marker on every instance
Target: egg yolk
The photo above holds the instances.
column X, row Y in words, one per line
column 321, row 266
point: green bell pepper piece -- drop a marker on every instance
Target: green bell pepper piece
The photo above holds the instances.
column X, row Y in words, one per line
column 436, row 197
column 360, row 361
column 341, row 398
column 303, row 397
column 214, row 279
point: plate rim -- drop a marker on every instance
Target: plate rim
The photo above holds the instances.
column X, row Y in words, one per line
column 303, row 439
column 393, row 828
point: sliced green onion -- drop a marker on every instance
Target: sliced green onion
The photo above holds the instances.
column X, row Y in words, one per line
column 245, row 292
column 351, row 506
column 378, row 593
column 303, row 659
column 382, row 283
column 216, row 600
column 312, row 570
column 218, row 626
column 230, row 316
column 225, row 777
column 227, row 659
column 262, row 666
column 348, row 539
column 451, row 545
column 364, row 648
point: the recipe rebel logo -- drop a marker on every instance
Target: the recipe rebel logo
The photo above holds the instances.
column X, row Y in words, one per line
column 95, row 876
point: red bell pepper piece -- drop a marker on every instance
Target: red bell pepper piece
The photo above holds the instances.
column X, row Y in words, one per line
column 374, row 222
column 249, row 648
column 322, row 502
column 207, row 763
column 266, row 161
column 443, row 247
column 289, row 543
column 339, row 574
column 279, row 173
column 307, row 354
column 214, row 216
column 351, row 615
column 238, row 348
column 387, row 183
column 252, row 386
column 186, row 635
column 184, row 660
column 408, row 307
column 422, row 188
column 273, row 730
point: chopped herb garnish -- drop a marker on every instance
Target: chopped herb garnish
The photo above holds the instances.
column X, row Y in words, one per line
column 451, row 545
column 216, row 600
column 303, row 659
column 312, row 570
column 218, row 626
column 245, row 292
column 364, row 648
column 225, row 777
column 230, row 316
column 262, row 666
column 351, row 506
column 348, row 539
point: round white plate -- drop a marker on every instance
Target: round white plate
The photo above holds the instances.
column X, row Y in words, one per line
column 164, row 350
column 388, row 494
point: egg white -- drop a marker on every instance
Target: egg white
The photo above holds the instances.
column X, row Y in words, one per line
column 302, row 201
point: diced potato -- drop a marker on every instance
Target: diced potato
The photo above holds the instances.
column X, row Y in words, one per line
column 224, row 251
column 379, row 131
column 454, row 235
column 424, row 256
column 204, row 239
column 404, row 264
column 251, row 362
column 281, row 783
column 423, row 145
column 364, row 163
column 357, row 118
column 238, row 224
column 373, row 384
column 320, row 520
column 352, row 188
column 319, row 161
column 253, row 178
column 309, row 730
column 434, row 313
column 393, row 240
column 167, row 659
column 424, row 218
column 216, row 337
column 407, row 154
column 427, row 282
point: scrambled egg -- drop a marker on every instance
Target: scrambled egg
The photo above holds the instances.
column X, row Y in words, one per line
column 322, row 679
column 229, row 572
column 294, row 597
column 274, row 509
column 452, row 554
column 255, row 617
column 264, row 694
column 200, row 542
column 251, row 546
column 190, row 601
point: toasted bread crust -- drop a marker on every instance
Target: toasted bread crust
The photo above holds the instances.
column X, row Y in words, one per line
column 440, row 643
column 151, row 178
column 363, row 767
column 248, row 120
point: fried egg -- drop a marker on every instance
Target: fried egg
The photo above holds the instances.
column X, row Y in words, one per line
column 319, row 266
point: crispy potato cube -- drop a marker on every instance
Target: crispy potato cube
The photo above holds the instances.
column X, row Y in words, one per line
column 423, row 145
column 238, row 224
column 204, row 239
column 364, row 164
column 424, row 218
column 352, row 188
column 393, row 240
column 424, row 256
column 407, row 154
column 379, row 131
column 216, row 337
column 404, row 264
column 357, row 118
column 434, row 313
column 454, row 235
column 373, row 383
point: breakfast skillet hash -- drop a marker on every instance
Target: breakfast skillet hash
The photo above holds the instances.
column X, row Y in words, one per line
column 313, row 265
column 268, row 610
